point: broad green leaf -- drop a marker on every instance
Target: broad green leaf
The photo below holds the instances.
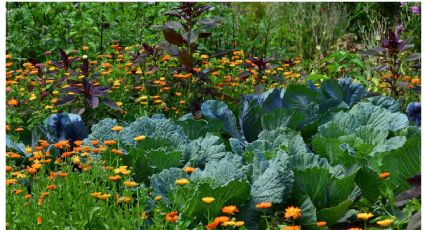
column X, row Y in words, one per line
column 282, row 118
column 314, row 183
column 333, row 214
column 298, row 97
column 403, row 163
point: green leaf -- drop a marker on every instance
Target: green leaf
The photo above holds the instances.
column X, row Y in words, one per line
column 213, row 109
column 274, row 184
column 199, row 128
column 233, row 193
column 340, row 189
column 308, row 212
column 251, row 120
column 403, row 163
column 314, row 183
column 369, row 183
column 282, row 118
column 298, row 97
column 333, row 214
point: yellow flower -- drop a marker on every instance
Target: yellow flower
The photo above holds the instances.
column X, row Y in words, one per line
column 385, row 223
column 119, row 103
column 182, row 181
column 158, row 198
column 123, row 170
column 139, row 138
column 28, row 149
column 117, row 128
column 208, row 200
column 239, row 223
column 75, row 159
column 364, row 216
column 189, row 169
column 130, row 184
column 292, row 212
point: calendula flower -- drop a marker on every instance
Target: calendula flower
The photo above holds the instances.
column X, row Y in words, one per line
column 384, row 175
column 52, row 187
column 212, row 225
column 355, row 228
column 221, row 219
column 229, row 223
column 231, row 209
column 9, row 168
column 104, row 196
column 364, row 216
column 321, row 224
column 172, row 217
column 75, row 159
column 13, row 102
column 189, row 169
column 39, row 220
column 114, row 178
column 95, row 142
column 182, row 181
column 208, row 200
column 110, row 142
column 158, row 198
column 139, row 138
column 28, row 149
column 292, row 212
column 117, row 128
column 385, row 223
column 78, row 143
column 130, row 184
column 62, row 174
column 122, row 170
column 295, row 227
column 264, row 205
column 31, row 171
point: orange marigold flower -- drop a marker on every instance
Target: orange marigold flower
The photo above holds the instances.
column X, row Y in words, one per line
column 354, row 228
column 130, row 184
column 110, row 142
column 9, row 168
column 67, row 154
column 212, row 225
column 96, row 150
column 295, row 227
column 62, row 174
column 221, row 219
column 52, row 187
column 94, row 142
column 27, row 196
column 18, row 191
column 78, row 142
column 321, row 224
column 189, row 169
column 231, row 209
column 158, row 198
column 172, row 217
column 36, row 166
column 13, row 102
column 117, row 151
column 31, row 171
column 39, row 220
column 19, row 129
column 264, row 205
column 416, row 81
column 384, row 175
column 292, row 212
column 104, row 196
column 11, row 181
column 114, row 178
